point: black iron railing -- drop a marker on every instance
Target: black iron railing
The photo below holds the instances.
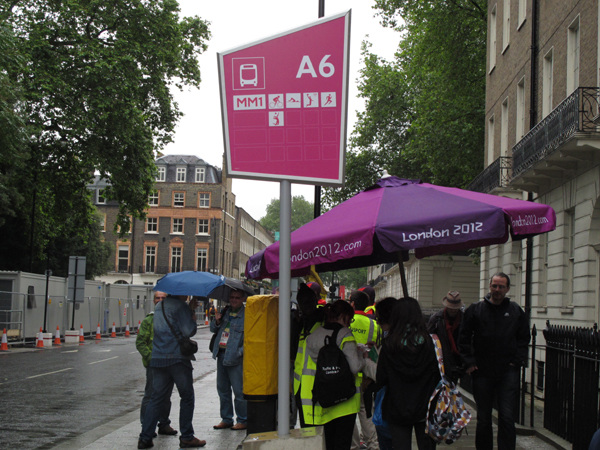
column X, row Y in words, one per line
column 571, row 395
column 497, row 174
column 579, row 112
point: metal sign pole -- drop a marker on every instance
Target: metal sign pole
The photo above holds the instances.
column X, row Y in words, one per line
column 283, row 389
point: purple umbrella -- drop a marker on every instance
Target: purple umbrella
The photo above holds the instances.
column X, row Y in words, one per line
column 396, row 215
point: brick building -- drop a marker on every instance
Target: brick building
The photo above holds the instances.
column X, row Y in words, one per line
column 191, row 224
column 543, row 143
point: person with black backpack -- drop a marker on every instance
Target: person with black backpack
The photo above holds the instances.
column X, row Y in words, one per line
column 330, row 386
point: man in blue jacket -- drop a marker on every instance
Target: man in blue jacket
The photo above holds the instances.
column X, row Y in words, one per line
column 229, row 353
column 170, row 366
column 493, row 342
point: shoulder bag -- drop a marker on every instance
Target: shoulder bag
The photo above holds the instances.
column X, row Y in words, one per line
column 187, row 346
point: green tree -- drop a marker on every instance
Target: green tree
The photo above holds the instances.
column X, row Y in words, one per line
column 424, row 114
column 93, row 82
column 302, row 213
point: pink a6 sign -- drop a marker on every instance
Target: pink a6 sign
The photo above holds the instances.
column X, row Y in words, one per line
column 284, row 104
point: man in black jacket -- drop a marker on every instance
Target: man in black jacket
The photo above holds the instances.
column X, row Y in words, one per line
column 493, row 342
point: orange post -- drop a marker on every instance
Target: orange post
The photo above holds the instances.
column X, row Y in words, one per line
column 4, row 346
column 57, row 336
column 40, row 339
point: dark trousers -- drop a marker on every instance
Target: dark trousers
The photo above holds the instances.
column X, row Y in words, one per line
column 402, row 437
column 338, row 432
column 505, row 390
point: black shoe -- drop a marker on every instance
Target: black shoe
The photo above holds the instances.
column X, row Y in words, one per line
column 144, row 444
column 167, row 430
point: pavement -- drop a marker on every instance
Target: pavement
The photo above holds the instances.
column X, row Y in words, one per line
column 122, row 432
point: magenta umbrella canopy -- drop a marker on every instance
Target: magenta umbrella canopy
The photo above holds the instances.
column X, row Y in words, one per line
column 396, row 215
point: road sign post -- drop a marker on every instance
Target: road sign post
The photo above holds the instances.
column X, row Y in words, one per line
column 284, row 104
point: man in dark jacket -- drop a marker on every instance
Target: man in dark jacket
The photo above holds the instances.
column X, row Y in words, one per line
column 493, row 343
column 446, row 324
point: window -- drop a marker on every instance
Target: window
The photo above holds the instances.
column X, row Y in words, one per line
column 102, row 220
column 200, row 172
column 490, row 141
column 520, row 125
column 153, row 198
column 522, row 13
column 505, row 25
column 203, row 200
column 123, row 258
column 101, row 200
column 150, row 259
column 573, row 57
column 504, row 129
column 181, row 174
column 162, row 174
column 569, row 236
column 152, row 225
column 201, row 259
column 177, row 225
column 176, row 259
column 202, row 226
column 178, row 199
column 492, row 46
column 547, row 83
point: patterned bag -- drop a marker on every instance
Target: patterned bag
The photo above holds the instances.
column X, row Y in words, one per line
column 447, row 415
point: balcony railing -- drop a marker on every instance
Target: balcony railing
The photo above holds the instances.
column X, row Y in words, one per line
column 577, row 113
column 493, row 176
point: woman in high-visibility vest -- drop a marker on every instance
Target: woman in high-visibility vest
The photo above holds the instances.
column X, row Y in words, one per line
column 338, row 420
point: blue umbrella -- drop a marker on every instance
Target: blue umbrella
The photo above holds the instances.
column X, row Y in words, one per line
column 200, row 284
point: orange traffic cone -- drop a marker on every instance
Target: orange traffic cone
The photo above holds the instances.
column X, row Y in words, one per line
column 57, row 336
column 127, row 329
column 206, row 318
column 4, row 346
column 81, row 340
column 113, row 332
column 98, row 336
column 139, row 325
column 40, row 339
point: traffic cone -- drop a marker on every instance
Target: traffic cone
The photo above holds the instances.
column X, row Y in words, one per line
column 4, row 346
column 98, row 336
column 57, row 336
column 139, row 325
column 127, row 329
column 206, row 318
column 113, row 332
column 40, row 339
column 81, row 340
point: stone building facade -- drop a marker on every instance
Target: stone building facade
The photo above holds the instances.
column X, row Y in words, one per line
column 191, row 224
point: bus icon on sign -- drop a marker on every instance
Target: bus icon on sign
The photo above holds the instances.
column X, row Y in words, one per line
column 248, row 75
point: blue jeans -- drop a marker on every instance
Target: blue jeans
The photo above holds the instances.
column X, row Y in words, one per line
column 231, row 378
column 505, row 390
column 163, row 417
column 163, row 379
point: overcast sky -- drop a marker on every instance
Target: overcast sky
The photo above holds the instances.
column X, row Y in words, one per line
column 237, row 22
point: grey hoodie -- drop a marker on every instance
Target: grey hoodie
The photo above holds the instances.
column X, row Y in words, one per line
column 316, row 340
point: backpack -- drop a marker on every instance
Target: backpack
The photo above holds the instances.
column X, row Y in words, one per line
column 334, row 382
column 447, row 415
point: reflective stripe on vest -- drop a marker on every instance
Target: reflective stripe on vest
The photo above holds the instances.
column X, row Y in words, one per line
column 318, row 415
column 364, row 329
column 301, row 357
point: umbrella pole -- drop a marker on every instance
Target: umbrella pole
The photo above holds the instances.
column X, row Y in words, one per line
column 402, row 274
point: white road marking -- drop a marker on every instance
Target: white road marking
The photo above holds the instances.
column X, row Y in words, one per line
column 49, row 373
column 102, row 360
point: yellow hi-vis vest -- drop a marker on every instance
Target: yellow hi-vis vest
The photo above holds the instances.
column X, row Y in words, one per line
column 364, row 329
column 301, row 357
column 314, row 414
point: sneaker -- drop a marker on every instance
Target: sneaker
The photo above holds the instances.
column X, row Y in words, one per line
column 144, row 444
column 167, row 430
column 194, row 442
